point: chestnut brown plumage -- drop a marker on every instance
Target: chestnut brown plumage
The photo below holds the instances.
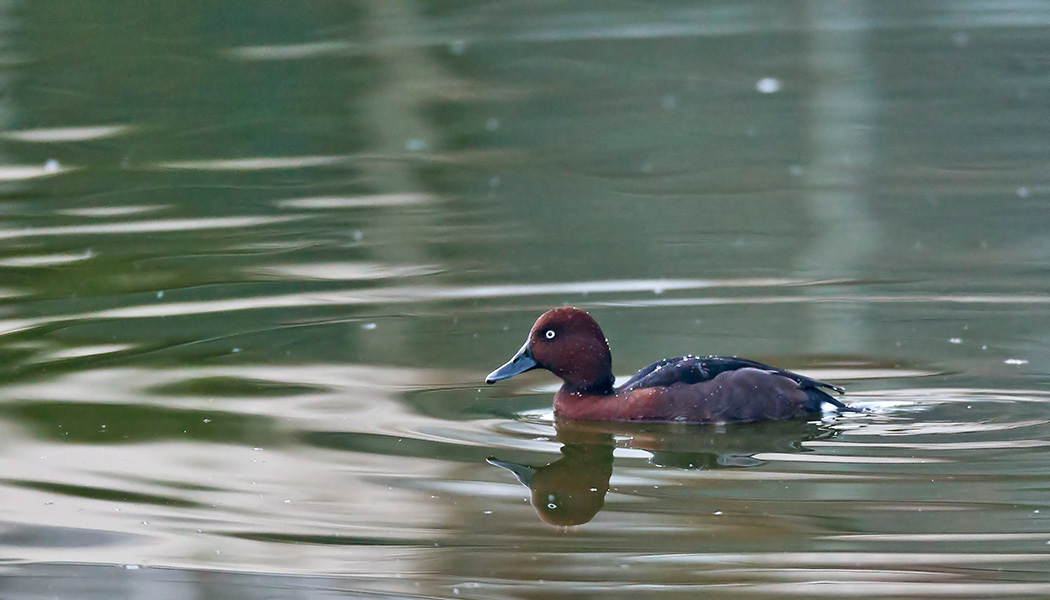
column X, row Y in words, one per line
column 712, row 389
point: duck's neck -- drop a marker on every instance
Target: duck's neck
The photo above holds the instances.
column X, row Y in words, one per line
column 601, row 387
column 588, row 406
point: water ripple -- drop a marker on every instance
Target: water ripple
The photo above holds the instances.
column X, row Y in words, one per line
column 334, row 202
column 67, row 134
column 342, row 271
column 150, row 226
column 45, row 260
column 23, row 172
column 260, row 163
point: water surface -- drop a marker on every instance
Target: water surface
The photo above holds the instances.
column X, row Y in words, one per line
column 255, row 263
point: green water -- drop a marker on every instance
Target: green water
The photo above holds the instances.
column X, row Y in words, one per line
column 256, row 259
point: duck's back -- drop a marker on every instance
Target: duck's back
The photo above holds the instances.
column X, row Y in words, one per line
column 740, row 395
column 723, row 389
column 696, row 369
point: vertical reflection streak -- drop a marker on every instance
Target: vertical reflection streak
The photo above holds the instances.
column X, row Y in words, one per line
column 843, row 111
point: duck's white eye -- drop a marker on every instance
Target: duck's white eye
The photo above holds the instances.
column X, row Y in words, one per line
column 550, row 334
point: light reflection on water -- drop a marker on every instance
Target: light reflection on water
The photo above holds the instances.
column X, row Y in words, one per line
column 254, row 272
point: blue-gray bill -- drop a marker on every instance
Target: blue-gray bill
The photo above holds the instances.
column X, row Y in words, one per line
column 521, row 362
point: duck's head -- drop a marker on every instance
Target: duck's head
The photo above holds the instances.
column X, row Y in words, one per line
column 567, row 342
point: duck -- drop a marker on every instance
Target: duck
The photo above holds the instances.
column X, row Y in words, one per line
column 569, row 343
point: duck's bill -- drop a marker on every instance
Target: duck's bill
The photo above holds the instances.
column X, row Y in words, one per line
column 521, row 362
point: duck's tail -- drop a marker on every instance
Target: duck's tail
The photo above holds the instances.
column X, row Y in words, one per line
column 818, row 397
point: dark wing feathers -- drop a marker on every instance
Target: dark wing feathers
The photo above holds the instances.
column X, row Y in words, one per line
column 695, row 369
column 718, row 364
column 652, row 376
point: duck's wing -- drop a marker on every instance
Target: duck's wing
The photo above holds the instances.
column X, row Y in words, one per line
column 653, row 372
column 718, row 364
column 696, row 369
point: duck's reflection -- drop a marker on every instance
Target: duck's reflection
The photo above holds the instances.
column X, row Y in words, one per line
column 571, row 490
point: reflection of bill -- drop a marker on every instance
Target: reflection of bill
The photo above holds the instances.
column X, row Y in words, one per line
column 571, row 490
